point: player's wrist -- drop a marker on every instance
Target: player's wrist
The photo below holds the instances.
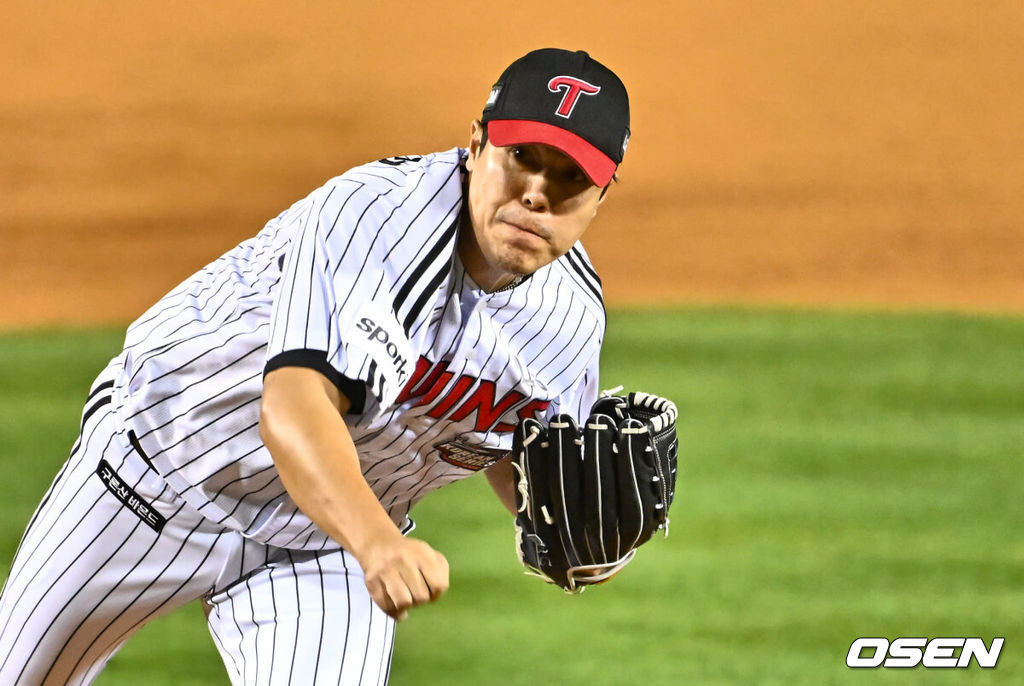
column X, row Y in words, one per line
column 370, row 542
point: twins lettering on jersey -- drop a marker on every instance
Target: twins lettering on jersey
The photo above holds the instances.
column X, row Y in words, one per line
column 431, row 385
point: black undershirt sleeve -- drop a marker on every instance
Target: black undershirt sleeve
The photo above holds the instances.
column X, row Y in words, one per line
column 352, row 389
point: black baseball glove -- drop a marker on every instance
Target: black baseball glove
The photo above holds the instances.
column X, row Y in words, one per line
column 587, row 497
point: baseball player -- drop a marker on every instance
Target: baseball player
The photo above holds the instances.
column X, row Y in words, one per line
column 260, row 440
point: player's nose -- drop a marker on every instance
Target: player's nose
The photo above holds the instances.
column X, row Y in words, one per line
column 536, row 193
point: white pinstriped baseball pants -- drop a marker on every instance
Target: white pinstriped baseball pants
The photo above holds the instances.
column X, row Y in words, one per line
column 90, row 572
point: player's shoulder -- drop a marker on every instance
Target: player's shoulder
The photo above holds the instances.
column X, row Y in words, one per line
column 395, row 177
column 390, row 195
column 575, row 271
column 384, row 190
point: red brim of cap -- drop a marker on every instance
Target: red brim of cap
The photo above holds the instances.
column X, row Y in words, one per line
column 594, row 163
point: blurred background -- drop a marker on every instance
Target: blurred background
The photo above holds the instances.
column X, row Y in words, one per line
column 816, row 249
column 867, row 153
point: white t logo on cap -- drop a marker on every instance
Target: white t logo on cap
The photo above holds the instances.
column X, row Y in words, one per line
column 573, row 87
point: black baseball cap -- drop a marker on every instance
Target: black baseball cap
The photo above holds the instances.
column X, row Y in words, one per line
column 564, row 99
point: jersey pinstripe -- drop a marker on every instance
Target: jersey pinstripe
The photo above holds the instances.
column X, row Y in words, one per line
column 360, row 280
column 91, row 571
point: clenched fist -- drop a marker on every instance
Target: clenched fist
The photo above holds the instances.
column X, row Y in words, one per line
column 402, row 573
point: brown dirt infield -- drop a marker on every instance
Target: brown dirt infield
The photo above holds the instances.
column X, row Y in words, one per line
column 850, row 153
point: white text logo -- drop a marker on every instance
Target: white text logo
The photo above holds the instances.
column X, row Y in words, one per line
column 939, row 653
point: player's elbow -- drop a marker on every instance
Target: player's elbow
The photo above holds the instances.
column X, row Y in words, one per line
column 266, row 424
column 274, row 410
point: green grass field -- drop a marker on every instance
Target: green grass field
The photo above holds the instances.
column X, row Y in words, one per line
column 842, row 475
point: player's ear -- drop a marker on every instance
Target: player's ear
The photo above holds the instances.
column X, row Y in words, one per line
column 604, row 191
column 600, row 198
column 476, row 137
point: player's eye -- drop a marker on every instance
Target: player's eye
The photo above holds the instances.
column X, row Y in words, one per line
column 527, row 154
column 526, row 157
column 576, row 175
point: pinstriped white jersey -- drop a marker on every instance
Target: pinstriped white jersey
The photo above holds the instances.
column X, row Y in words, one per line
column 360, row 280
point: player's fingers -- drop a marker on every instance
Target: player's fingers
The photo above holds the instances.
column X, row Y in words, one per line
column 380, row 596
column 416, row 584
column 398, row 591
column 390, row 609
column 432, row 593
column 435, row 575
column 391, row 597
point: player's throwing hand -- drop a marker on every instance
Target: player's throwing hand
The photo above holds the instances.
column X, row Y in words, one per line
column 402, row 573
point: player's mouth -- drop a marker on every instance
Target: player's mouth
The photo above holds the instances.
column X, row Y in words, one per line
column 528, row 227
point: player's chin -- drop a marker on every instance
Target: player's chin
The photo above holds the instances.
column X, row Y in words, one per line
column 526, row 253
column 520, row 261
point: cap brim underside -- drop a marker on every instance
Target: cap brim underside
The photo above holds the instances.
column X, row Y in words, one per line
column 594, row 163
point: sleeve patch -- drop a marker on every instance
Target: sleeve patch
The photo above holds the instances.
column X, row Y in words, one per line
column 378, row 334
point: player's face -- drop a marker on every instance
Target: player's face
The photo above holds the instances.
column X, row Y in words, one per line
column 528, row 205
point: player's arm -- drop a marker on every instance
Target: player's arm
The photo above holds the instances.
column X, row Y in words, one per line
column 301, row 423
column 502, row 479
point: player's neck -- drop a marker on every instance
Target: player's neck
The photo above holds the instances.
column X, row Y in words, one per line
column 482, row 274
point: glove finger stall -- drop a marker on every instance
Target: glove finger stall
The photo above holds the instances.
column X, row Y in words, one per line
column 600, row 489
column 637, row 444
column 633, row 506
column 566, row 484
column 531, row 468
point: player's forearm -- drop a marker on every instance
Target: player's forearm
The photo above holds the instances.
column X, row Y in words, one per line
column 301, row 425
column 502, row 480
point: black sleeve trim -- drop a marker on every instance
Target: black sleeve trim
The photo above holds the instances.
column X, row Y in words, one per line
column 354, row 390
